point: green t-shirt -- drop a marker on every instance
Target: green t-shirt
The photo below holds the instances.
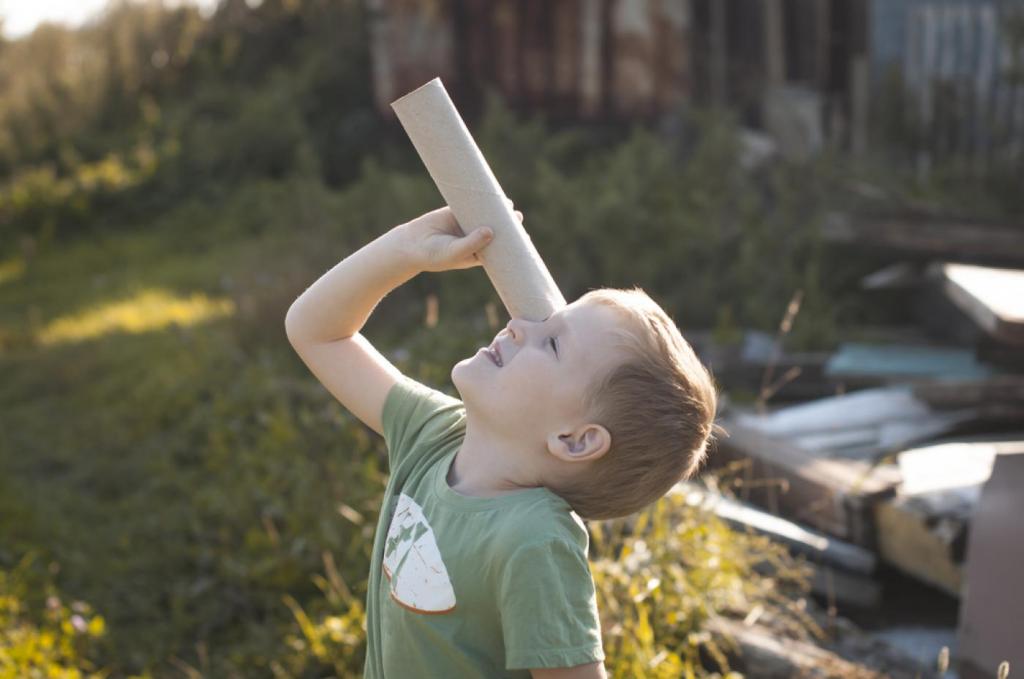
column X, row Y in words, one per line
column 466, row 586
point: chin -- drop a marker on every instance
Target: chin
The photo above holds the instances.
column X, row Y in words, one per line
column 458, row 374
column 464, row 380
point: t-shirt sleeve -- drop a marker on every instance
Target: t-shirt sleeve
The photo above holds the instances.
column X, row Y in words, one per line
column 548, row 607
column 416, row 416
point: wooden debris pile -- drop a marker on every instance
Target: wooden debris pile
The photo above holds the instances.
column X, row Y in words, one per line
column 892, row 437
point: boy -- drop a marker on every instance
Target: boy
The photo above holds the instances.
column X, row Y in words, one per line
column 479, row 565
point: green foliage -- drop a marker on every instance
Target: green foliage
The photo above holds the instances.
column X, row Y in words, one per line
column 199, row 494
column 663, row 574
column 37, row 201
column 256, row 134
column 684, row 222
column 164, row 83
column 203, row 469
column 336, row 636
column 194, row 483
column 41, row 635
column 216, row 474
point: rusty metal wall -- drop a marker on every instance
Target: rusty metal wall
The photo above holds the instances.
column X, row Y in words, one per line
column 408, row 40
column 575, row 59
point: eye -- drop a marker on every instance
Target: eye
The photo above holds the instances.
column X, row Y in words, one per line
column 553, row 345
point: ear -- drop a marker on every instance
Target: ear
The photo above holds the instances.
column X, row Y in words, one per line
column 587, row 443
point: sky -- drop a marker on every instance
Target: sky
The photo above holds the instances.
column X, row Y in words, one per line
column 21, row 16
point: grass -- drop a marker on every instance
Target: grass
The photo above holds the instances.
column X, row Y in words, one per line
column 169, row 464
column 167, row 461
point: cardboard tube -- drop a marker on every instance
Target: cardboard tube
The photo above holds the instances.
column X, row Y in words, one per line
column 467, row 184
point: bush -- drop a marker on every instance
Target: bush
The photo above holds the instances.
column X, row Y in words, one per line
column 40, row 634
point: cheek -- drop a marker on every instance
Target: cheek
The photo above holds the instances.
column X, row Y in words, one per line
column 504, row 384
column 530, row 383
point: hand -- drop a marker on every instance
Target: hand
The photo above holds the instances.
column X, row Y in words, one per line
column 436, row 242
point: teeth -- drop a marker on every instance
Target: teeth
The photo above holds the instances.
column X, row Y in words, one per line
column 494, row 355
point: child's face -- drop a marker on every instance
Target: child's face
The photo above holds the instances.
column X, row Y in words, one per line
column 537, row 390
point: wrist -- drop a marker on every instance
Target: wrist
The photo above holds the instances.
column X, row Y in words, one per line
column 405, row 255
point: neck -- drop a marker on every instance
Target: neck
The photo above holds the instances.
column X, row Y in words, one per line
column 485, row 466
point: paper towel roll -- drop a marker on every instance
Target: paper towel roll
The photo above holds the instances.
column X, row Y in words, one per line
column 468, row 185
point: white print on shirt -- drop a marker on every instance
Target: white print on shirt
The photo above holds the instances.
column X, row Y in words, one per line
column 412, row 562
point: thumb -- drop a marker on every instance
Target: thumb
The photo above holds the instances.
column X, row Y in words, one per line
column 475, row 240
column 481, row 235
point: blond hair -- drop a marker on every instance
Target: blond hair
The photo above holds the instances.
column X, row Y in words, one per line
column 659, row 406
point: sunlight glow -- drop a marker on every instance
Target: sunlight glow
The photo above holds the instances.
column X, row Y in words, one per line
column 20, row 17
column 148, row 310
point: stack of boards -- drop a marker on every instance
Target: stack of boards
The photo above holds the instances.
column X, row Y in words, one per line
column 892, row 450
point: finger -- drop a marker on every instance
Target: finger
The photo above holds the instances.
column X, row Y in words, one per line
column 469, row 263
column 476, row 240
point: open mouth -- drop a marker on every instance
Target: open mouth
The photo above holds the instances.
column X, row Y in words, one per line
column 493, row 355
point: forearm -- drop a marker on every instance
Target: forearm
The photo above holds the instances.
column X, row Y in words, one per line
column 338, row 304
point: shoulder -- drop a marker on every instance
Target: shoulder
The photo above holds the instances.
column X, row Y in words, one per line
column 410, row 392
column 550, row 557
column 548, row 519
column 413, row 404
column 417, row 417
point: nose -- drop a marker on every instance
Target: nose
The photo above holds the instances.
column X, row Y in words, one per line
column 516, row 328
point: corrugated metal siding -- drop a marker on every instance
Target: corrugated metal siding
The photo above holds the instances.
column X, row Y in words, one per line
column 954, row 62
column 571, row 58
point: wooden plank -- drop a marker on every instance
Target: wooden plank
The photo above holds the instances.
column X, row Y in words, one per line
column 400, row 64
column 822, row 43
column 719, row 51
column 923, row 529
column 993, row 297
column 535, row 68
column 964, row 91
column 865, row 408
column 846, row 589
column 929, row 19
column 380, row 57
column 474, row 24
column 1002, row 389
column 990, row 631
column 632, row 38
column 672, row 76
column 984, row 77
column 1003, row 107
column 894, row 276
column 859, row 93
column 765, row 652
column 506, row 46
column 946, row 477
column 857, row 359
column 801, row 29
column 774, row 41
column 829, row 495
column 859, row 425
column 819, row 548
column 565, row 55
column 591, row 63
column 960, row 240
column 906, row 541
column 799, row 374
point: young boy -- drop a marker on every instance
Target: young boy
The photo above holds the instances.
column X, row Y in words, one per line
column 479, row 565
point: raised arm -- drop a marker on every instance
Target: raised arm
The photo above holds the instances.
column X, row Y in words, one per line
column 323, row 324
column 337, row 305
